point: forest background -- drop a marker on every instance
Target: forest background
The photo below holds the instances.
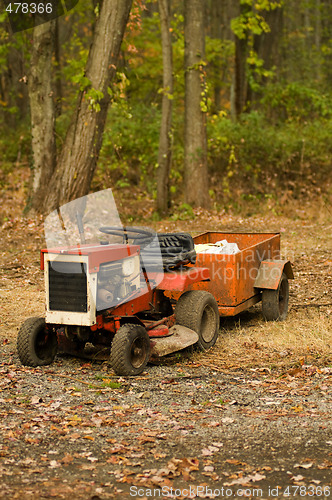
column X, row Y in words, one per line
column 265, row 97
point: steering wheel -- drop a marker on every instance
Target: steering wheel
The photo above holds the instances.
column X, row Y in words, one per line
column 138, row 233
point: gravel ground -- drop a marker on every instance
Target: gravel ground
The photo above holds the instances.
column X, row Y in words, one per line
column 180, row 430
column 188, row 428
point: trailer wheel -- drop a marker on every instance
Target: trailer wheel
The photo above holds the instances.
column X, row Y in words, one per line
column 198, row 310
column 36, row 345
column 130, row 351
column 275, row 302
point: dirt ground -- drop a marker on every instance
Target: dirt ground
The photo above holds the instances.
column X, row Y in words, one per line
column 250, row 418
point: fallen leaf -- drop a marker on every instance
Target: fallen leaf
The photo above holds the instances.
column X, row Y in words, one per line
column 54, row 464
column 35, row 400
column 146, row 439
column 214, row 424
column 67, row 459
column 227, row 420
column 235, row 461
column 73, row 436
column 297, row 478
column 295, row 372
column 297, row 409
column 91, row 438
column 246, row 480
column 304, row 466
column 218, row 445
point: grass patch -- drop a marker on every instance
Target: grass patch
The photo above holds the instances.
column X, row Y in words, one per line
column 249, row 342
column 107, row 382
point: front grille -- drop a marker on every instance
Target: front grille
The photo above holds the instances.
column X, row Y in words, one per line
column 67, row 283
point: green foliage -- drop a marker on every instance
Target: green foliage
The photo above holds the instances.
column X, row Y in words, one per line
column 18, row 47
column 254, row 157
column 296, row 102
column 249, row 25
column 4, row 42
column 74, row 67
column 183, row 212
column 249, row 22
column 130, row 146
column 144, row 55
column 94, row 96
column 77, row 30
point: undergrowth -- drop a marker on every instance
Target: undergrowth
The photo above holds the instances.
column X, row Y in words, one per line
column 255, row 164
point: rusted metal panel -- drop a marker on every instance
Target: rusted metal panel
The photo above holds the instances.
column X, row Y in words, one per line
column 180, row 280
column 288, row 270
column 140, row 302
column 270, row 272
column 232, row 311
column 232, row 277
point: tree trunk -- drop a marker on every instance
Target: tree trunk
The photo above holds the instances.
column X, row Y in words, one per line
column 216, row 65
column 42, row 110
column 195, row 150
column 13, row 88
column 240, row 73
column 58, row 81
column 267, row 45
column 165, row 138
column 318, row 38
column 240, row 85
column 79, row 155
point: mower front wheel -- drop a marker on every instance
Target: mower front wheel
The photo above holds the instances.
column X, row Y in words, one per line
column 36, row 344
column 198, row 310
column 130, row 351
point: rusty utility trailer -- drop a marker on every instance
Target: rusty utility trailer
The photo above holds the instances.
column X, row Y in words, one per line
column 238, row 281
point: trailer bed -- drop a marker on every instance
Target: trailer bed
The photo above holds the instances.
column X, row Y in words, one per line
column 232, row 277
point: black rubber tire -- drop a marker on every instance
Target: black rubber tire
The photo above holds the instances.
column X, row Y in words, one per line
column 36, row 346
column 275, row 302
column 198, row 310
column 130, row 351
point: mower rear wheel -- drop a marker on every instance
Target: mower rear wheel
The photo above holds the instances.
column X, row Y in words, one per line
column 275, row 302
column 130, row 351
column 36, row 345
column 198, row 310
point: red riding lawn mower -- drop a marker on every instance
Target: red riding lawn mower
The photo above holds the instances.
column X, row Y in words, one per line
column 138, row 294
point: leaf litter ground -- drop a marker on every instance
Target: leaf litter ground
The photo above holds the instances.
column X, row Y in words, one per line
column 251, row 417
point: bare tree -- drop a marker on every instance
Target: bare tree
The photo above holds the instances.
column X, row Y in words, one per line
column 195, row 151
column 215, row 11
column 42, row 109
column 165, row 137
column 78, row 158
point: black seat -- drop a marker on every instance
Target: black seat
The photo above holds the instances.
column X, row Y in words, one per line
column 176, row 249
